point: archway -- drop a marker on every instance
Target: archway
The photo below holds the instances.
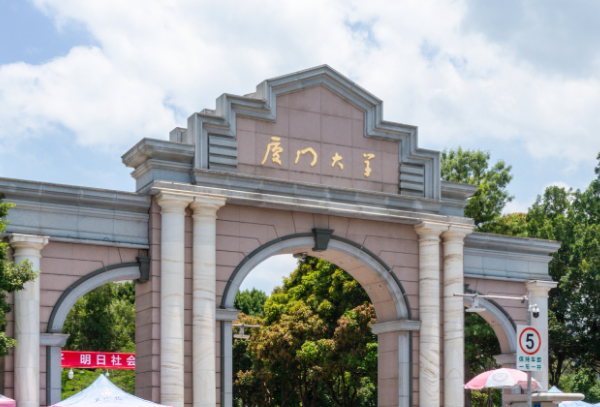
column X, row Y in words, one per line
column 395, row 324
column 500, row 321
column 54, row 340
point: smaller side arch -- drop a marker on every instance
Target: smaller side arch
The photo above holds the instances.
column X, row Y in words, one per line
column 117, row 272
column 95, row 279
column 500, row 321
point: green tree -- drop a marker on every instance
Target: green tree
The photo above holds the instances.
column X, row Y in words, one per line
column 12, row 279
column 307, row 352
column 473, row 167
column 250, row 302
column 103, row 320
column 347, row 363
column 572, row 218
column 481, row 344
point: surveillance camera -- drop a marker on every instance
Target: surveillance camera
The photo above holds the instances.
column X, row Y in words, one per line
column 536, row 312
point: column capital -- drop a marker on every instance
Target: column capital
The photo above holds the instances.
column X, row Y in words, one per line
column 506, row 358
column 457, row 233
column 430, row 230
column 173, row 203
column 541, row 286
column 33, row 244
column 395, row 326
column 206, row 205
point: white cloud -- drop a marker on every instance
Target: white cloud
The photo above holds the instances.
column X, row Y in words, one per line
column 559, row 184
column 516, row 206
column 157, row 63
column 521, row 206
column 270, row 273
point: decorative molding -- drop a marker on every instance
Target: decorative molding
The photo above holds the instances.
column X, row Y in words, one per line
column 77, row 214
column 506, row 358
column 227, row 314
column 144, row 263
column 395, row 326
column 367, row 205
column 101, row 276
column 515, row 244
column 47, row 339
column 322, row 237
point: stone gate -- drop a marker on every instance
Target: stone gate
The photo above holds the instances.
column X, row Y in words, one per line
column 305, row 164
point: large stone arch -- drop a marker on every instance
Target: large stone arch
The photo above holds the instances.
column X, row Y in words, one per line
column 54, row 340
column 391, row 304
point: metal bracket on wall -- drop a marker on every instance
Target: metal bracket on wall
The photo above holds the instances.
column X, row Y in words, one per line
column 144, row 263
column 322, row 238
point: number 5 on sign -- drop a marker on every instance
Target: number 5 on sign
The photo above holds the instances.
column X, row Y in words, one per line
column 530, row 356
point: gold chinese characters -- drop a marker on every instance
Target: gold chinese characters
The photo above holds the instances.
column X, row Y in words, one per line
column 274, row 148
column 307, row 150
column 335, row 159
column 367, row 162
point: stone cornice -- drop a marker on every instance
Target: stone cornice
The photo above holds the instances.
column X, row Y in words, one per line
column 394, row 326
column 68, row 195
column 75, row 214
column 227, row 314
column 514, row 244
column 364, row 206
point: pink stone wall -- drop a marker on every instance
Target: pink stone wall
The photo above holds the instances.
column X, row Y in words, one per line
column 318, row 118
column 240, row 230
column 62, row 264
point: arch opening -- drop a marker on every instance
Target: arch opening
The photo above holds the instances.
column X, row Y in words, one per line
column 98, row 278
column 379, row 282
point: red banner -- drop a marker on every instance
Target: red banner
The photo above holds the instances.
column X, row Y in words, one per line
column 98, row 360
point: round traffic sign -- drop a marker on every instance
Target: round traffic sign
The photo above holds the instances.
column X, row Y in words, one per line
column 530, row 341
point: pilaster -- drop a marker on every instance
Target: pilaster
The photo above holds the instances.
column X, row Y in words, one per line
column 27, row 322
column 453, row 317
column 204, row 299
column 538, row 295
column 429, row 311
column 172, row 297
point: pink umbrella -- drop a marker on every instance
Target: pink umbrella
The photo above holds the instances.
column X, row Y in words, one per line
column 501, row 378
column 6, row 402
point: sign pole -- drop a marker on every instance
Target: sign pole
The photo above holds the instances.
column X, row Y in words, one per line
column 529, row 401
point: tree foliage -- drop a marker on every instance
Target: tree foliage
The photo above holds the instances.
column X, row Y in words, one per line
column 572, row 218
column 12, row 278
column 473, row 167
column 250, row 302
column 103, row 320
column 315, row 346
column 481, row 344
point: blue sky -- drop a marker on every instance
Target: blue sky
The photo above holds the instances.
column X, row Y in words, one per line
column 81, row 82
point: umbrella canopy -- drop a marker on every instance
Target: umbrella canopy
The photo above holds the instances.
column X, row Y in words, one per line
column 501, row 378
column 579, row 403
column 6, row 402
column 103, row 393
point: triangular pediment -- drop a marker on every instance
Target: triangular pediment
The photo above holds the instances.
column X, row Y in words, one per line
column 316, row 110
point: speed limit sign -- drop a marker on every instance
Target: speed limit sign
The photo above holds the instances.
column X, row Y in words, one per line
column 529, row 351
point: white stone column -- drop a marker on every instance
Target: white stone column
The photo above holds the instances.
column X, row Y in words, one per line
column 454, row 320
column 538, row 295
column 172, row 282
column 27, row 322
column 204, row 300
column 429, row 312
